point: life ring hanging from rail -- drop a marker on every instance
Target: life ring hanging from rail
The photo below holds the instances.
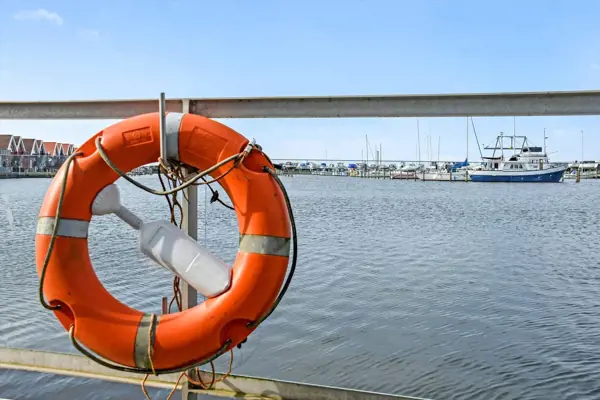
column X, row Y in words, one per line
column 126, row 336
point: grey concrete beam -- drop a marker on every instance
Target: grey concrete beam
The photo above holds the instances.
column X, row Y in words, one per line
column 435, row 105
column 234, row 386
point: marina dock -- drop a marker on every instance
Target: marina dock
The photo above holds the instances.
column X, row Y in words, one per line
column 393, row 170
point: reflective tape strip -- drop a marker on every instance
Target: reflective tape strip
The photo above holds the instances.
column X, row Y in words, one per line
column 73, row 228
column 268, row 245
column 185, row 106
column 173, row 122
column 144, row 340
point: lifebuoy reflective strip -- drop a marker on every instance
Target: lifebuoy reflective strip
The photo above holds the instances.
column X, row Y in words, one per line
column 144, row 340
column 173, row 124
column 267, row 245
column 127, row 336
column 67, row 227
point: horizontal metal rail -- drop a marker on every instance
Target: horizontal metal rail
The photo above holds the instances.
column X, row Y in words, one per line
column 431, row 105
column 235, row 386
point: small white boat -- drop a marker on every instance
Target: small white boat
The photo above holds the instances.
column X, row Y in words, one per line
column 586, row 169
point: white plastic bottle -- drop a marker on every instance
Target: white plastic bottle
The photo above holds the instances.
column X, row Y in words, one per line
column 170, row 247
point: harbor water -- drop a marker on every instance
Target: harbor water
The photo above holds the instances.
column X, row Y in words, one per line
column 445, row 291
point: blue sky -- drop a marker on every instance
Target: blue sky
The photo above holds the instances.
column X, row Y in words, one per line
column 53, row 50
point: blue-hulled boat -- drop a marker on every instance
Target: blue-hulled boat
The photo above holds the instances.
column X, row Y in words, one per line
column 530, row 164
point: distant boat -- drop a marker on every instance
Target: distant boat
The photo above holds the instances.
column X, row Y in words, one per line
column 586, row 170
column 456, row 166
column 443, row 175
column 411, row 168
column 531, row 164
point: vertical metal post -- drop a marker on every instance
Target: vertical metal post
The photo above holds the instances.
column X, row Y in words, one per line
column 162, row 108
column 190, row 226
column 163, row 155
column 190, row 222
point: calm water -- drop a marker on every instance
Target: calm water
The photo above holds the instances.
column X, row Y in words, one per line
column 440, row 290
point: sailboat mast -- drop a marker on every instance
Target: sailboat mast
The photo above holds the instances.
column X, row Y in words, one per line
column 428, row 147
column 476, row 138
column 418, row 142
column 581, row 147
column 467, row 138
column 545, row 142
column 515, row 135
column 367, row 151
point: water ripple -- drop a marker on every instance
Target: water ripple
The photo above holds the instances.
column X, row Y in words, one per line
column 454, row 291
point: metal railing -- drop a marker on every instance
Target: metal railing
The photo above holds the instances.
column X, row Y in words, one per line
column 234, row 386
column 433, row 105
column 444, row 105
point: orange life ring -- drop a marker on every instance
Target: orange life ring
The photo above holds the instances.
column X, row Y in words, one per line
column 122, row 334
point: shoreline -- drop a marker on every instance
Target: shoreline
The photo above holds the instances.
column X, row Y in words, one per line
column 30, row 175
column 20, row 175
